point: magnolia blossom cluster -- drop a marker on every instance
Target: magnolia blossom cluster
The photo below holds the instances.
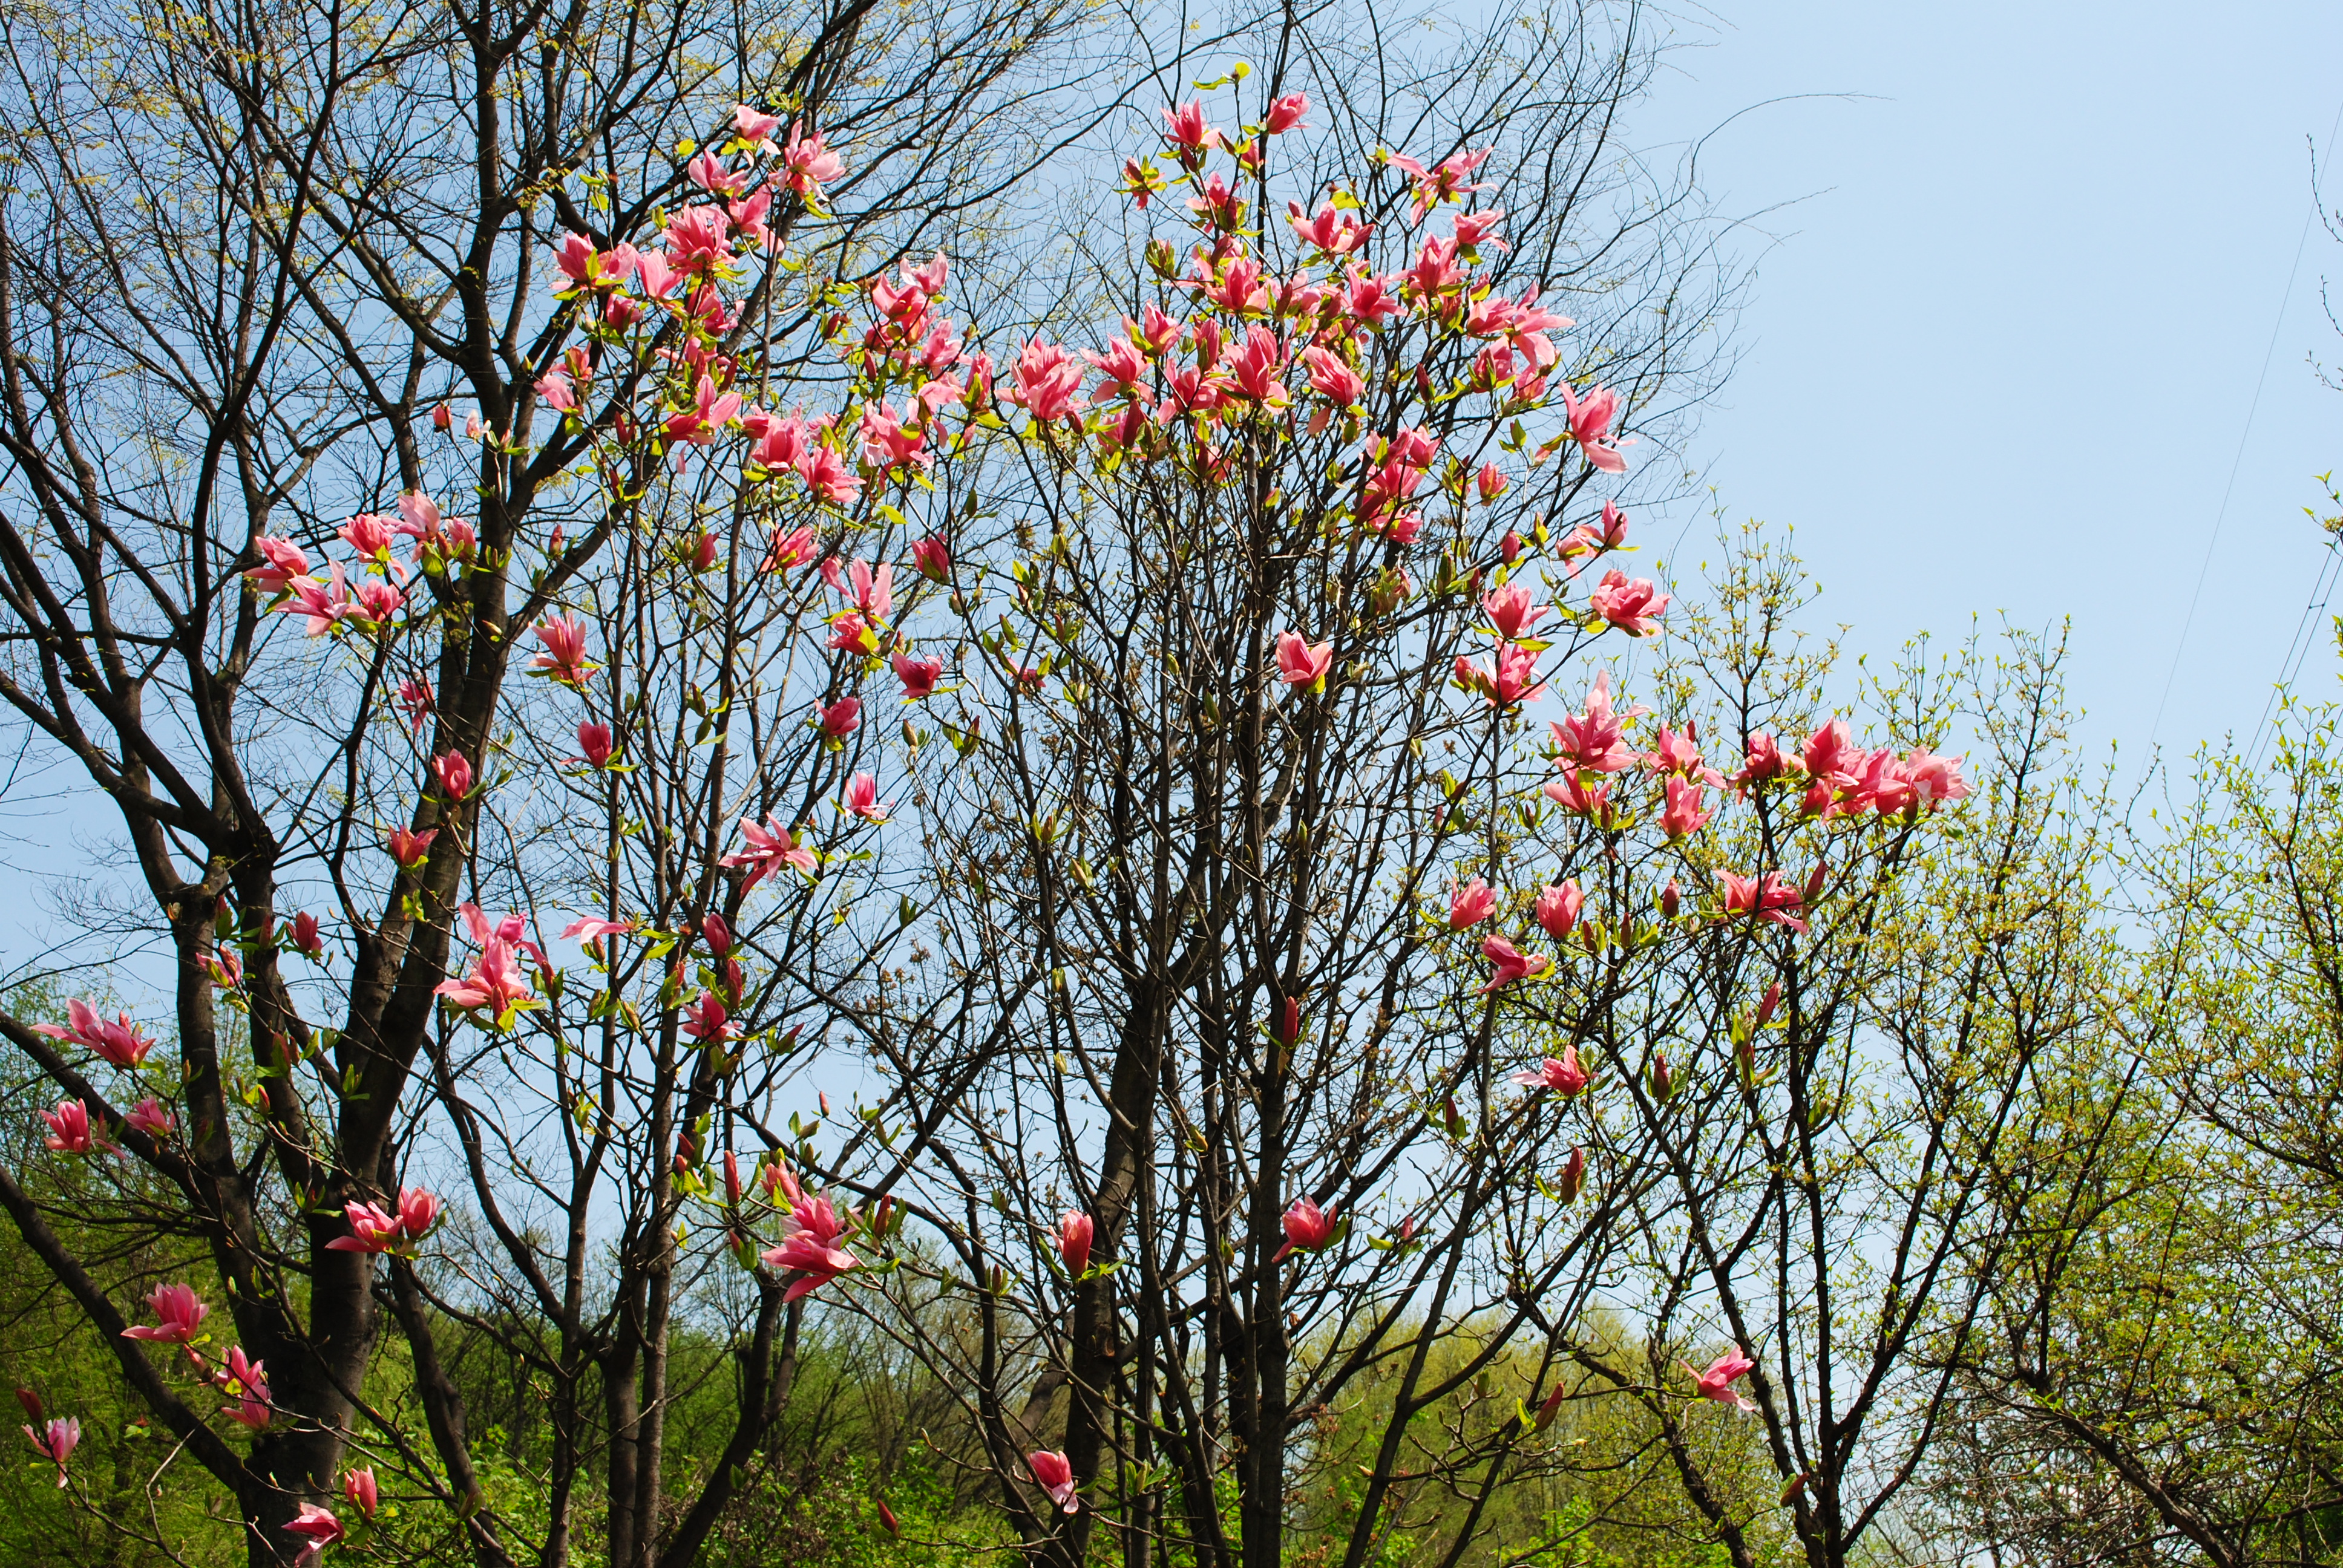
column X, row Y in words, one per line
column 243, row 1381
column 1591, row 754
column 331, row 604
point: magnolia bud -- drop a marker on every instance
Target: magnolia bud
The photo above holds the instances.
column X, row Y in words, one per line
column 1509, row 547
column 1814, row 880
column 731, row 1177
column 1546, row 1411
column 1662, row 1082
column 1768, row 1002
column 1671, row 900
column 443, row 418
column 888, row 1521
column 1160, row 257
column 1573, row 1176
column 1292, row 1030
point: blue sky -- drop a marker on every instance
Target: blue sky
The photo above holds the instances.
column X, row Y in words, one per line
column 2002, row 343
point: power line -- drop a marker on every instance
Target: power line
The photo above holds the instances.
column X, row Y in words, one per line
column 2297, row 649
column 2237, row 460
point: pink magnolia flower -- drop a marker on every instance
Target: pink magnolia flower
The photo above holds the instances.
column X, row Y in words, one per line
column 768, row 847
column 1686, row 815
column 495, row 984
column 118, row 1040
column 592, row 928
column 919, row 676
column 454, row 774
column 69, row 1130
column 1510, row 612
column 838, row 719
column 1590, row 426
column 811, row 1252
column 1335, row 233
column 1595, row 741
column 933, row 558
column 1512, row 963
column 757, row 130
column 716, row 934
column 1677, row 751
column 709, row 172
column 1565, row 1077
column 286, row 562
column 1253, row 369
column 1189, row 134
column 317, row 1526
column 706, row 1019
column 1830, row 753
column 1286, row 113
column 1123, row 366
column 414, row 700
column 1075, row 1232
column 1300, row 663
column 1558, row 908
column 369, row 535
column 418, row 1210
column 1445, row 181
column 55, row 1442
column 1769, row 897
column 180, row 1313
column 149, row 1117
column 1470, row 904
column 849, row 630
column 1513, row 681
column 1048, row 382
column 225, row 968
column 1307, row 1229
column 325, row 604
column 1474, row 228
column 359, row 1486
column 302, row 933
column 245, row 1382
column 564, row 659
column 557, row 391
column 1057, row 1478
column 409, row 850
column 1580, row 798
column 1367, row 298
column 862, row 798
column 594, row 740
column 371, row 1230
column 1935, row 779
column 1764, row 760
column 709, row 413
column 789, row 549
column 874, row 591
column 374, row 1230
column 1717, row 1382
column 808, row 165
column 1333, row 379
column 1632, row 606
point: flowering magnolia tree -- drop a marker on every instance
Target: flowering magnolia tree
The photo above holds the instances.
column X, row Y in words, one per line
column 300, row 444
column 1038, row 839
column 1288, row 1044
